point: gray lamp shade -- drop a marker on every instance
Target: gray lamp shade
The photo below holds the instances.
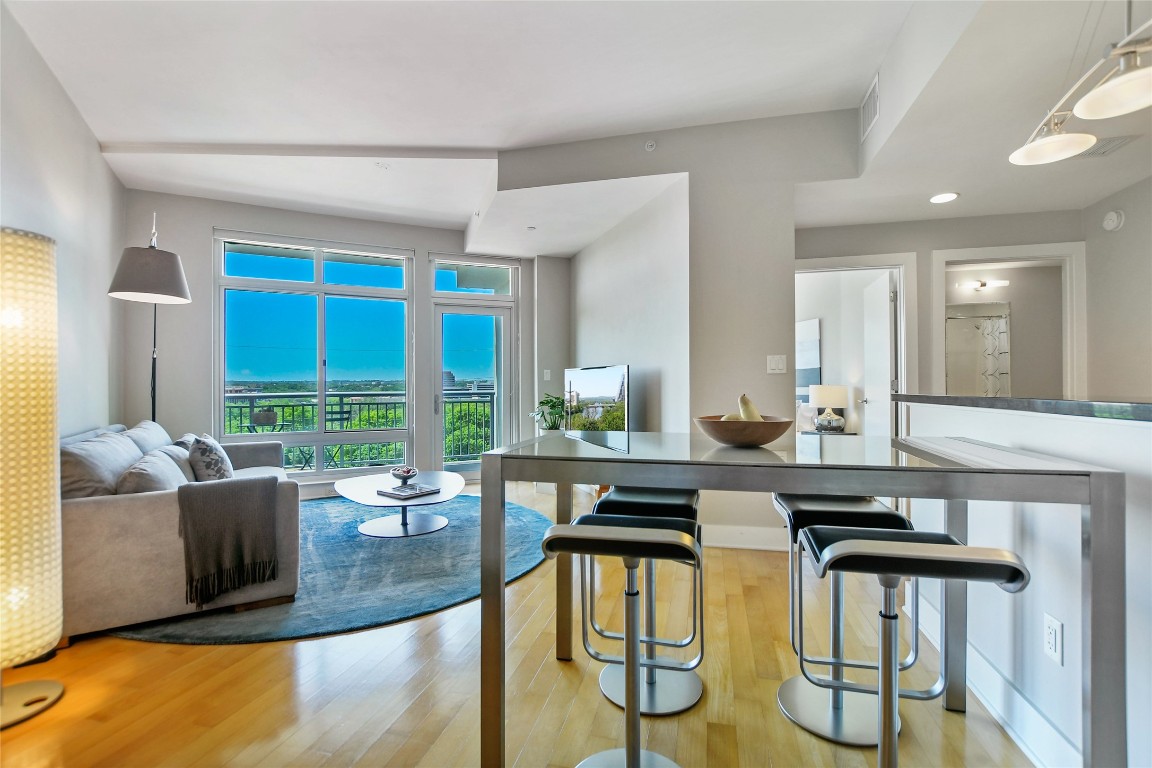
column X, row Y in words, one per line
column 152, row 275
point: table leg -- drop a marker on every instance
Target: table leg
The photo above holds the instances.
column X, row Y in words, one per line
column 492, row 612
column 564, row 578
column 954, row 620
column 1103, row 607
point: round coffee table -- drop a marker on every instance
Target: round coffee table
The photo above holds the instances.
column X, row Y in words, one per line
column 363, row 490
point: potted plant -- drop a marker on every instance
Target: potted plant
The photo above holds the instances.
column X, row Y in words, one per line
column 549, row 413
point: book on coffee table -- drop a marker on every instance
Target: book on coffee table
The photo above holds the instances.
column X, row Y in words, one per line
column 408, row 491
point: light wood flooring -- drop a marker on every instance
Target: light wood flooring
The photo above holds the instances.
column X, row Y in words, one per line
column 408, row 694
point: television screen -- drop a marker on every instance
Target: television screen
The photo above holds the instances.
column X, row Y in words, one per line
column 596, row 405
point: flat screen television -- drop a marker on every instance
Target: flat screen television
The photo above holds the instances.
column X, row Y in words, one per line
column 596, row 405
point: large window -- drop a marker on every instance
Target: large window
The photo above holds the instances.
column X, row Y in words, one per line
column 315, row 351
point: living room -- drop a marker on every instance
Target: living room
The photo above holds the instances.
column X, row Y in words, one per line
column 703, row 263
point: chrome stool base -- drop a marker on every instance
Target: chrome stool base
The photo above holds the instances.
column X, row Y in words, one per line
column 810, row 707
column 672, row 690
column 616, row 758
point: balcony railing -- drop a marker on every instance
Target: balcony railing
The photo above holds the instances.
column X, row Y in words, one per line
column 469, row 424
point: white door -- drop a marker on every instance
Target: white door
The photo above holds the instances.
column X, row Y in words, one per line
column 879, row 358
column 473, row 380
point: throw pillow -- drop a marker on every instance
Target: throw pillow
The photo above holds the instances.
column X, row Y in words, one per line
column 154, row 472
column 208, row 459
column 186, row 441
column 148, row 436
column 92, row 467
column 180, row 456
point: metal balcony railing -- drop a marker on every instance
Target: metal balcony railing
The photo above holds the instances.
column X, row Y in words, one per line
column 469, row 424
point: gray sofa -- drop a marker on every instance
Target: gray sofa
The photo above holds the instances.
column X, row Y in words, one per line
column 123, row 557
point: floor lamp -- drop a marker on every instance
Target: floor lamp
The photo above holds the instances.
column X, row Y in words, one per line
column 154, row 276
column 31, row 596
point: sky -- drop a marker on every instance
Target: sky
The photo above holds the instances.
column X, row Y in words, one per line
column 273, row 336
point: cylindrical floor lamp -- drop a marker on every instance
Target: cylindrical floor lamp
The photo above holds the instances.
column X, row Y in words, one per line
column 151, row 275
column 31, row 597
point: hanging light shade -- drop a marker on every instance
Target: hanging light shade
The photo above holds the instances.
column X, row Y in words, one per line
column 1052, row 144
column 31, row 596
column 1128, row 90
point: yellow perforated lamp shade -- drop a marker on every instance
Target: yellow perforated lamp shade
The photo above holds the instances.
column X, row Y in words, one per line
column 31, row 604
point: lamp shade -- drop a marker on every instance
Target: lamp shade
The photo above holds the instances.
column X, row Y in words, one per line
column 152, row 275
column 1126, row 92
column 31, row 603
column 1051, row 148
column 828, row 395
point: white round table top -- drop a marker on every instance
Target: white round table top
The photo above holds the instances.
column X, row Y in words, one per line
column 362, row 489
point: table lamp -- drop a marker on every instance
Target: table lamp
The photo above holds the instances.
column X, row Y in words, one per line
column 828, row 396
column 31, row 591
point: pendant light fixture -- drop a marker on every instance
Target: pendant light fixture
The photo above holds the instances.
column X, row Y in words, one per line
column 1126, row 88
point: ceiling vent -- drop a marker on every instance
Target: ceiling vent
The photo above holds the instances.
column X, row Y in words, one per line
column 870, row 108
column 1106, row 146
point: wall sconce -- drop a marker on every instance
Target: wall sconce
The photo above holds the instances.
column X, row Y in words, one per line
column 31, row 581
column 979, row 285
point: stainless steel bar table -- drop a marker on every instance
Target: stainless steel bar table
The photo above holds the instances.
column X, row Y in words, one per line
column 953, row 469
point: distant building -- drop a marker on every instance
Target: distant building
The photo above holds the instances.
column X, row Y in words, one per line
column 449, row 380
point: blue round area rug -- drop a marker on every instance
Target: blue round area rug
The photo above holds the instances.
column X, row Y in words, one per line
column 349, row 581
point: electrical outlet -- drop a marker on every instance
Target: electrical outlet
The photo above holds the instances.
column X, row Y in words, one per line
column 547, row 374
column 1054, row 639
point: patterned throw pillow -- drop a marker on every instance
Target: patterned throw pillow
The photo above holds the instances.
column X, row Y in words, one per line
column 186, row 441
column 209, row 462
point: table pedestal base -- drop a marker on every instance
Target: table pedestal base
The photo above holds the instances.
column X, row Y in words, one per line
column 399, row 526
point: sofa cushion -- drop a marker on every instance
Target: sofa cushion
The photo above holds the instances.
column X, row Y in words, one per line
column 154, row 472
column 180, row 456
column 70, row 439
column 208, row 459
column 92, row 467
column 148, row 436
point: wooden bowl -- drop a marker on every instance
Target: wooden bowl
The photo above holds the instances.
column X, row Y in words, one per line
column 743, row 434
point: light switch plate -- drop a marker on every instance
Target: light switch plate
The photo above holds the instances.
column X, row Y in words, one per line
column 777, row 364
column 547, row 374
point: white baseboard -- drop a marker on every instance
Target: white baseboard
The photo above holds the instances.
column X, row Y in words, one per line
column 746, row 537
column 1037, row 738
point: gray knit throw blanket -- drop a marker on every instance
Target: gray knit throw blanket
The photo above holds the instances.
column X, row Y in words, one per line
column 229, row 533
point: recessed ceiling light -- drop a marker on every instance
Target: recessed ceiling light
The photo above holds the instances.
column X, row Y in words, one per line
column 943, row 197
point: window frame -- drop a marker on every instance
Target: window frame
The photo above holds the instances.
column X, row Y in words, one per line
column 320, row 437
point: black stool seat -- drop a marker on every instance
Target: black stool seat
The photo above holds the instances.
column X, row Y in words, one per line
column 923, row 554
column 648, row 502
column 803, row 510
column 659, row 538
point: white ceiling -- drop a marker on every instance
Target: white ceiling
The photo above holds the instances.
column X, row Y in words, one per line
column 396, row 110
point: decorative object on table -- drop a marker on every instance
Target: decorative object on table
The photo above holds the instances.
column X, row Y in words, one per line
column 549, row 413
column 350, row 582
column 744, row 428
column 805, row 416
column 32, row 611
column 154, row 276
column 265, row 417
column 404, row 473
column 1126, row 88
column 829, row 396
column 405, row 491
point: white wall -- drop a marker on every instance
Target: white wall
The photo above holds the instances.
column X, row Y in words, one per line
column 186, row 336
column 54, row 181
column 629, row 299
column 553, row 329
column 1119, row 266
column 1038, row 699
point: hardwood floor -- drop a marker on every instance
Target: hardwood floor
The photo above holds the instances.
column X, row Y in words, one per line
column 408, row 694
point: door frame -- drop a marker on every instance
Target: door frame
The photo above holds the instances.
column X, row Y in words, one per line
column 508, row 370
column 906, row 341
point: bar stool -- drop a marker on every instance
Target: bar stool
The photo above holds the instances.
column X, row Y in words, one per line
column 666, row 690
column 845, row 717
column 632, row 539
column 891, row 556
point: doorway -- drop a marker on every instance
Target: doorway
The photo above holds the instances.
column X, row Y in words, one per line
column 860, row 340
column 474, row 361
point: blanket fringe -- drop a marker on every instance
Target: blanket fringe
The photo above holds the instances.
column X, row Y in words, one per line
column 208, row 587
